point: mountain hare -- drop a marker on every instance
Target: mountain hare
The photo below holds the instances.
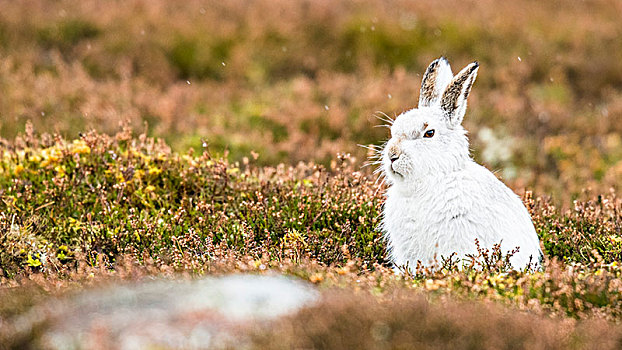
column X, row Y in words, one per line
column 439, row 200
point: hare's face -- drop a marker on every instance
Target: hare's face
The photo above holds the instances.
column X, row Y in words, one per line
column 430, row 140
column 422, row 143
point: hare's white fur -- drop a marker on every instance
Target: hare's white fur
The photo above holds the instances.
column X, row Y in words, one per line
column 440, row 200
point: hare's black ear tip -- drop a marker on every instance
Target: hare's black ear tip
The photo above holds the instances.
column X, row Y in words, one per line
column 473, row 67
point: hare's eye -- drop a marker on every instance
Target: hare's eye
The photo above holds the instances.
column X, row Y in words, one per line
column 429, row 133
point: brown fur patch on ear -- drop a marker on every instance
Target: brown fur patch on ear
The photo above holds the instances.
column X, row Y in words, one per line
column 468, row 88
column 428, row 84
column 449, row 102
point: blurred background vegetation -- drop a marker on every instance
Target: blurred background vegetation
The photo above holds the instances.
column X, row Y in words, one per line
column 302, row 81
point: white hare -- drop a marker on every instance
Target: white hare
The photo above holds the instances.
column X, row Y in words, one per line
column 439, row 200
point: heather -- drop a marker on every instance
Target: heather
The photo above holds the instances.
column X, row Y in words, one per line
column 102, row 208
column 189, row 139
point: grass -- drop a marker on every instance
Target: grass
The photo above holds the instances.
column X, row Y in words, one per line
column 205, row 137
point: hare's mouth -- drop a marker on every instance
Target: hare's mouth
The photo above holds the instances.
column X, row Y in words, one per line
column 395, row 172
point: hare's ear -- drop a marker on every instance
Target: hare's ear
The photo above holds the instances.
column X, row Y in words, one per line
column 435, row 80
column 454, row 100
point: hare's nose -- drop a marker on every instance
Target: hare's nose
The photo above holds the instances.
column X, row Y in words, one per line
column 394, row 153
